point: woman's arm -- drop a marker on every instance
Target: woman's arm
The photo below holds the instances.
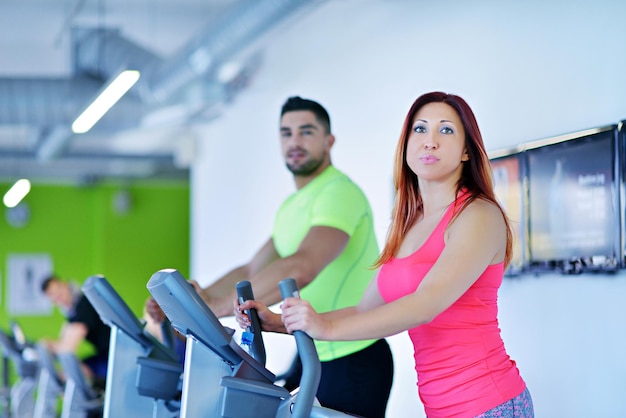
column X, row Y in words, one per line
column 476, row 239
column 272, row 322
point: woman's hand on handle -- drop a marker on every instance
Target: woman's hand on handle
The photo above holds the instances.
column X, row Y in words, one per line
column 299, row 315
column 270, row 321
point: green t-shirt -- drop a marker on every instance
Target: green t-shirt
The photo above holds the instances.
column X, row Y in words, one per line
column 331, row 200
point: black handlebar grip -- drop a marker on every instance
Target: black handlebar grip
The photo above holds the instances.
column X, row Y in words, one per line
column 257, row 347
column 311, row 367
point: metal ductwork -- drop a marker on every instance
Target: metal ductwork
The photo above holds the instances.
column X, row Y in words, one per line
column 98, row 54
column 241, row 26
column 102, row 53
column 43, row 101
column 49, row 102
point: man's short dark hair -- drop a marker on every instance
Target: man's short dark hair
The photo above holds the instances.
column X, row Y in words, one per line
column 296, row 103
column 46, row 282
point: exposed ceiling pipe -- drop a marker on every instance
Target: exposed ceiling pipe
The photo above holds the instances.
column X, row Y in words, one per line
column 56, row 101
column 241, row 26
column 98, row 54
column 54, row 143
column 44, row 102
column 102, row 53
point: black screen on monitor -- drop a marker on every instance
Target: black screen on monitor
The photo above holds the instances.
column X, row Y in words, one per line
column 621, row 140
column 572, row 194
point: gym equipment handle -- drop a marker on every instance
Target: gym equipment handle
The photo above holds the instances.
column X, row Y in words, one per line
column 311, row 367
column 257, row 347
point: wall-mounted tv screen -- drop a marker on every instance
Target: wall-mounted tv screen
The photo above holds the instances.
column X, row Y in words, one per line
column 621, row 140
column 572, row 191
column 508, row 186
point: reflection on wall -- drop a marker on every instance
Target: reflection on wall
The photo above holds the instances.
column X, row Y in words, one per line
column 571, row 200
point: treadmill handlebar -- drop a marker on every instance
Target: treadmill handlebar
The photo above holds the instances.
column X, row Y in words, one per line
column 191, row 316
column 256, row 345
column 311, row 367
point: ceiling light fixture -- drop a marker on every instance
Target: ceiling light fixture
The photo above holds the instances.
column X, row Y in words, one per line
column 229, row 71
column 105, row 101
column 16, row 193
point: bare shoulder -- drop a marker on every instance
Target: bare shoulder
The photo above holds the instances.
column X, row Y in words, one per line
column 481, row 213
column 482, row 206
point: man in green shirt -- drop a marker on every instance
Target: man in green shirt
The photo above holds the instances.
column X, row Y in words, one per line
column 323, row 237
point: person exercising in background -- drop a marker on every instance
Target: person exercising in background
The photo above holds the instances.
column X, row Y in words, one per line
column 83, row 323
column 323, row 237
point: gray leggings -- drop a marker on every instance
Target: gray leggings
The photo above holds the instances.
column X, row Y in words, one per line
column 520, row 406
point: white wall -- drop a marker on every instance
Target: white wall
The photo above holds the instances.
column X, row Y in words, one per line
column 530, row 70
column 567, row 334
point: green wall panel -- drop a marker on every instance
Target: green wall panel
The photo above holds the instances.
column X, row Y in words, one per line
column 80, row 228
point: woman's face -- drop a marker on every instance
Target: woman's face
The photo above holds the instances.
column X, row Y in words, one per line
column 436, row 144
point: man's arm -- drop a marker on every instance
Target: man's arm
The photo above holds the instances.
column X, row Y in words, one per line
column 72, row 335
column 220, row 294
column 319, row 247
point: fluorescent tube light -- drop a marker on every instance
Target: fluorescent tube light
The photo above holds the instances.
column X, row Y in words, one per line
column 109, row 96
column 16, row 193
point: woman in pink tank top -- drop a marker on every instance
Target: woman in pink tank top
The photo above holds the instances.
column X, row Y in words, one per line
column 448, row 246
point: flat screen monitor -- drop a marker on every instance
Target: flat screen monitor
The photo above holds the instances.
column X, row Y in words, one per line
column 621, row 140
column 508, row 186
column 573, row 195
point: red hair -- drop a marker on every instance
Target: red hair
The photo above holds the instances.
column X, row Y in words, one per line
column 476, row 176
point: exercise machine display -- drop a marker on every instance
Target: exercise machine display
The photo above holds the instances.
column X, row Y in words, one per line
column 220, row 378
column 50, row 384
column 24, row 359
column 80, row 400
column 143, row 375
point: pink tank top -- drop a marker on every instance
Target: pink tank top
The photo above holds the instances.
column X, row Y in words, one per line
column 462, row 367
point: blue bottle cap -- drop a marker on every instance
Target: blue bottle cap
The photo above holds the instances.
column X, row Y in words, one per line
column 247, row 337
